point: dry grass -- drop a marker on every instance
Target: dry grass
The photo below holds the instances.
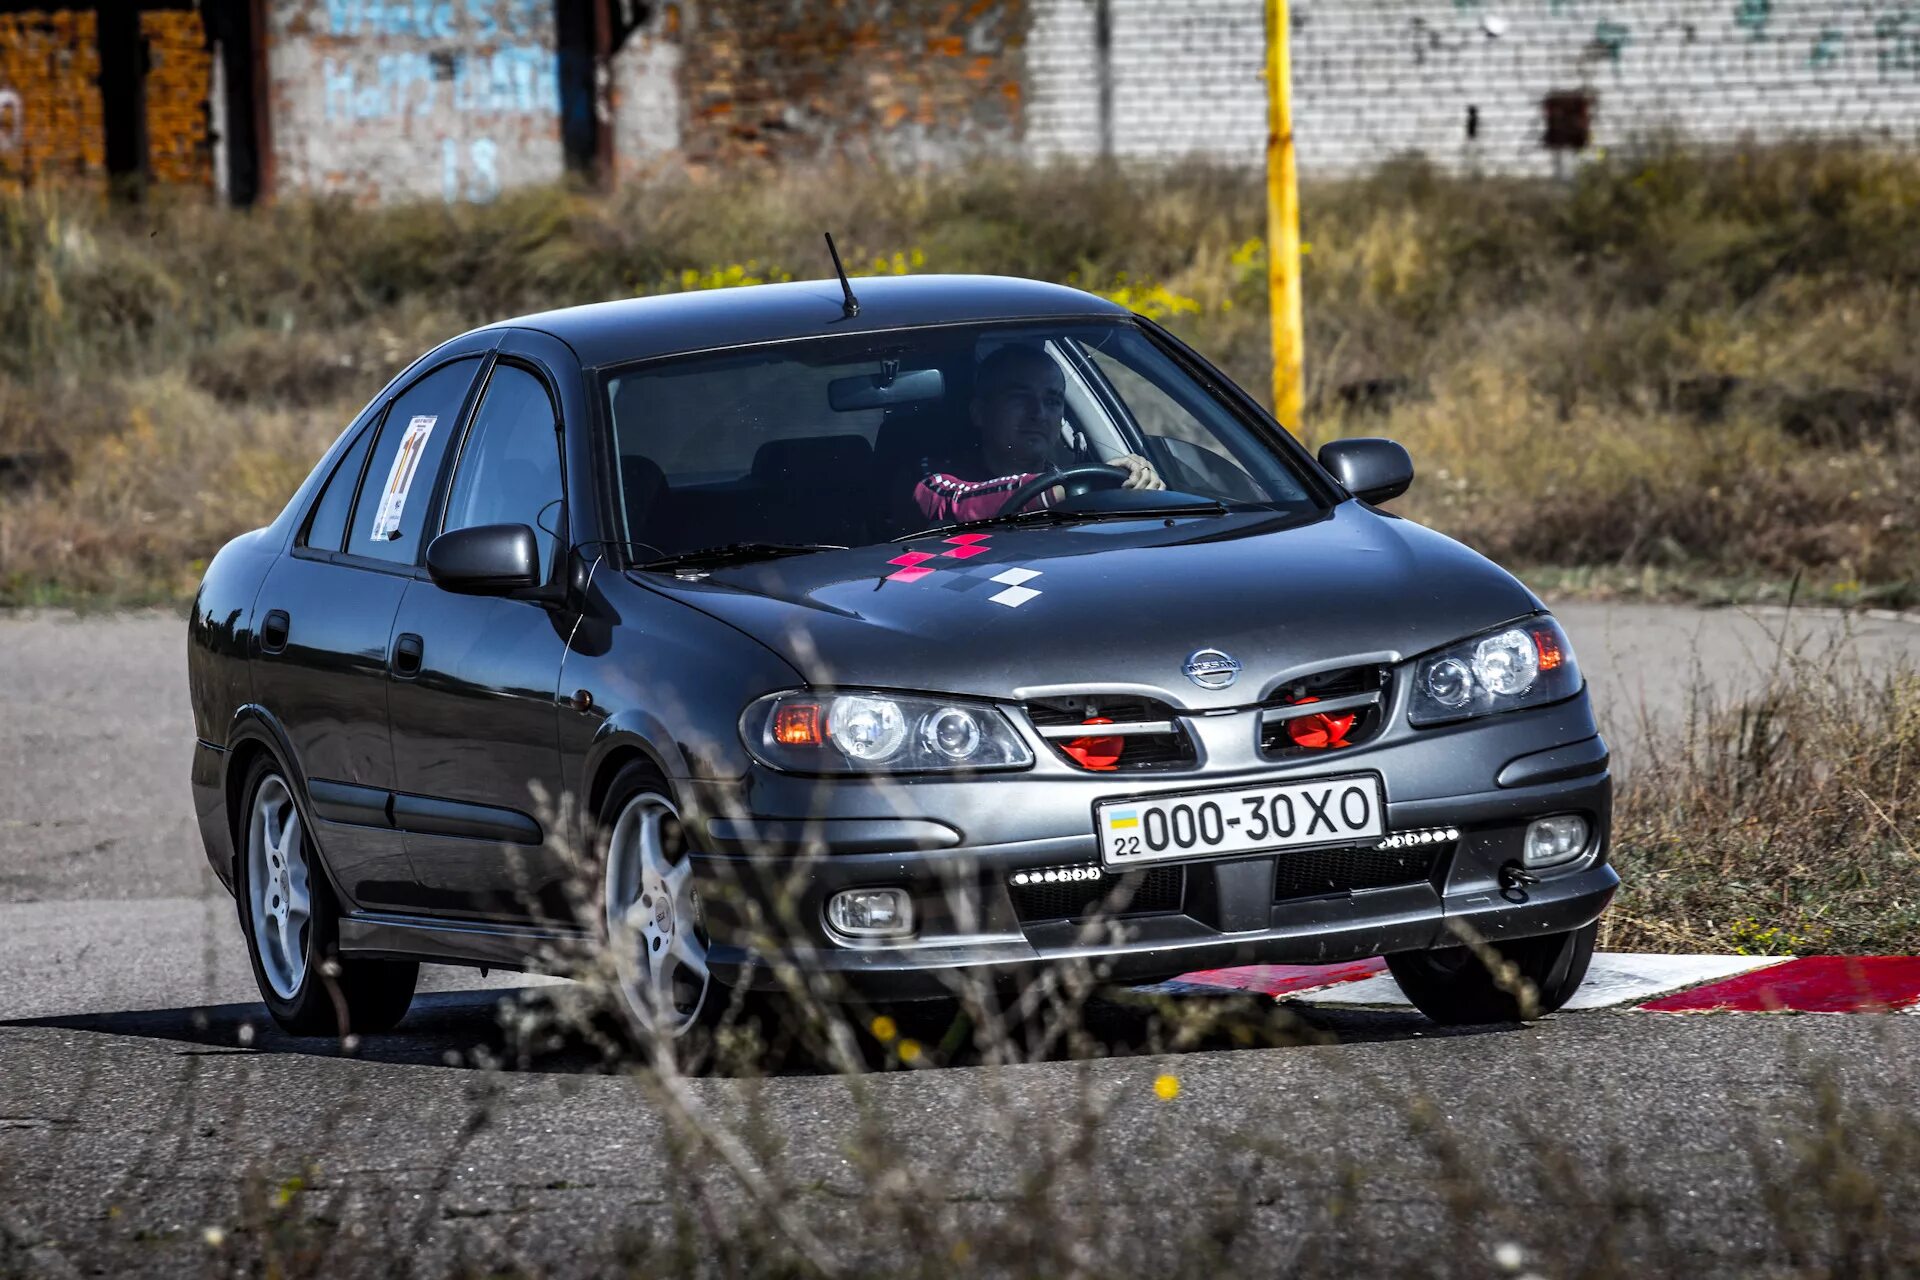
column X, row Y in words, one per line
column 1788, row 823
column 1679, row 372
column 1683, row 362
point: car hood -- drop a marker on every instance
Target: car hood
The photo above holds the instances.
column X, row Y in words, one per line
column 1022, row 611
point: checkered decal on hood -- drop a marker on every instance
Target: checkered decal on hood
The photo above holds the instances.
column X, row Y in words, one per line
column 1003, row 584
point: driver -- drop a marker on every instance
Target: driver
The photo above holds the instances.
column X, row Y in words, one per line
column 1019, row 399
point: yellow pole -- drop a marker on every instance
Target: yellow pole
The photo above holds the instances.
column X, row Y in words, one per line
column 1283, row 224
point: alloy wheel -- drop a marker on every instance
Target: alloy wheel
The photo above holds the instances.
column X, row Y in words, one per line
column 659, row 957
column 279, row 886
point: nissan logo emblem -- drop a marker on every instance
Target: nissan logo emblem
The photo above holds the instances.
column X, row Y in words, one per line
column 1211, row 669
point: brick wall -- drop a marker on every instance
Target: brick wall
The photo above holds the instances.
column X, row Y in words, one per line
column 52, row 126
column 1464, row 81
column 1182, row 77
column 430, row 99
column 50, row 120
column 906, row 81
column 461, row 99
column 179, row 75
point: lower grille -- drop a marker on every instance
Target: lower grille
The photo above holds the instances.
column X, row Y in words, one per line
column 1313, row 872
column 1157, row 891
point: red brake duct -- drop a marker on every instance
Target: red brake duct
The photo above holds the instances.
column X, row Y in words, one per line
column 1098, row 753
column 1319, row 731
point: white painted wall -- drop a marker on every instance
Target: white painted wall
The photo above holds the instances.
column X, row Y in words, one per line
column 1377, row 78
column 645, row 94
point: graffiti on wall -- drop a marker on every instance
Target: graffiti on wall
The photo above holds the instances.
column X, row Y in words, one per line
column 1879, row 37
column 517, row 78
column 410, row 98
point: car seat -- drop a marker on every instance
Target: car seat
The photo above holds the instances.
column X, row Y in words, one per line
column 643, row 493
column 914, row 441
column 816, row 489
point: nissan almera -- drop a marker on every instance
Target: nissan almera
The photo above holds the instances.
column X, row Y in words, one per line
column 974, row 628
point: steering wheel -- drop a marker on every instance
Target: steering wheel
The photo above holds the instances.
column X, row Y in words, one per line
column 1076, row 480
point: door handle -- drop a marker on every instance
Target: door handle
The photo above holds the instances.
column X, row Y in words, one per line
column 408, row 651
column 273, row 631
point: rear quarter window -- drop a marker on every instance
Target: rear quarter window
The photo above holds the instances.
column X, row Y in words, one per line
column 327, row 527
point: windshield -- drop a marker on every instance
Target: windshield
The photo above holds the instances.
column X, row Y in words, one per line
column 864, row 439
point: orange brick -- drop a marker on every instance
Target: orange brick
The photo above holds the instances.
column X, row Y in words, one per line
column 179, row 76
column 51, row 60
column 857, row 69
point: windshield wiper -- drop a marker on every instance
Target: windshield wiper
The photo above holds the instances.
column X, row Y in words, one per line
column 736, row 553
column 984, row 522
column 1204, row 507
column 1054, row 515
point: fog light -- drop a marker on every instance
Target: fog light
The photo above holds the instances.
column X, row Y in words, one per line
column 871, row 913
column 1551, row 841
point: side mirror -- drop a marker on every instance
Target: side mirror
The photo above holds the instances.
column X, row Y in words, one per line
column 1372, row 469
column 486, row 560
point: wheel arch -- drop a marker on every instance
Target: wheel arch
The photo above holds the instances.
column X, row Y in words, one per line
column 609, row 763
column 256, row 734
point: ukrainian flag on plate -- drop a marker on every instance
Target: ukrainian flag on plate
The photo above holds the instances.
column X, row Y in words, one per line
column 1123, row 819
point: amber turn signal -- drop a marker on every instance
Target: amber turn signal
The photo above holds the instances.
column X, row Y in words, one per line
column 797, row 724
column 1549, row 647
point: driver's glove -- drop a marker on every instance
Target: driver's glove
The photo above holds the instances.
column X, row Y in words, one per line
column 1140, row 472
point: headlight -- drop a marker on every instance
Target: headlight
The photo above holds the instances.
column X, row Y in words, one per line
column 1524, row 665
column 879, row 732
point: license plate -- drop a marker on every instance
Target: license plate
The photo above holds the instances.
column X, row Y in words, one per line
column 1165, row 828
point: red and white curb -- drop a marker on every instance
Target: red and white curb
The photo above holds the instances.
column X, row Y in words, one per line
column 1652, row 983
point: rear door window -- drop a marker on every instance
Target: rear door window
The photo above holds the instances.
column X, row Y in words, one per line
column 392, row 511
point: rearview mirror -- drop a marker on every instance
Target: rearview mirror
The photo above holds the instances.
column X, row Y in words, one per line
column 1373, row 469
column 884, row 390
column 486, row 560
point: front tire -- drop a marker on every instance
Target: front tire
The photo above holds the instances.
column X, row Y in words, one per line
column 1523, row 979
column 647, row 919
column 292, row 926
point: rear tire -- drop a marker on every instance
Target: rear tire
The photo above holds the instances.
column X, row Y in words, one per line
column 1455, row 987
column 291, row 925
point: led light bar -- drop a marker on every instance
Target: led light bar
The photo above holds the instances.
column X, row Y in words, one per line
column 1424, row 835
column 1057, row 875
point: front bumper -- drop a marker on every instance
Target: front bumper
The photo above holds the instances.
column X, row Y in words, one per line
column 953, row 844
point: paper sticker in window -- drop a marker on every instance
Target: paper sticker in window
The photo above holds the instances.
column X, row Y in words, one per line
column 393, row 498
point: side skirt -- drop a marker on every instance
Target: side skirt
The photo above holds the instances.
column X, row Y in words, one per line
column 533, row 948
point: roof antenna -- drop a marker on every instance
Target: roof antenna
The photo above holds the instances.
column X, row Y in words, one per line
column 851, row 307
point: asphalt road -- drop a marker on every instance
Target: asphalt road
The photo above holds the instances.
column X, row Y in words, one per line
column 144, row 1098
